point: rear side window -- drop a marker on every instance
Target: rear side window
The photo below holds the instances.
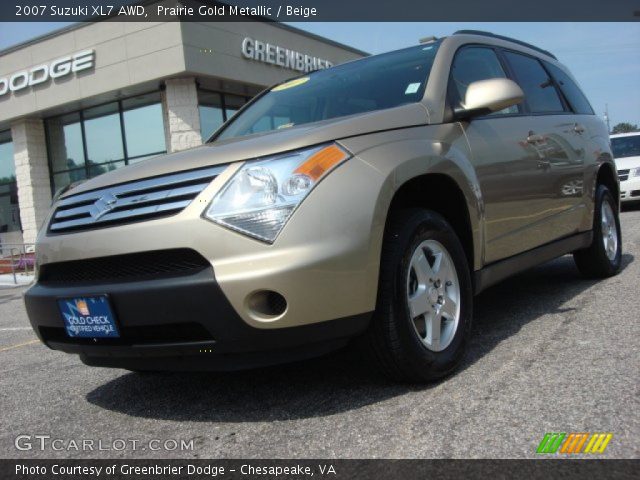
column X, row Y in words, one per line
column 571, row 91
column 539, row 92
column 470, row 65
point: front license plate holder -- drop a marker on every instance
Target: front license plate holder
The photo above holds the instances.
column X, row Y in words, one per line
column 88, row 317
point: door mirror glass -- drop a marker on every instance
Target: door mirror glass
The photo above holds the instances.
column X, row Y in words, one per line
column 486, row 96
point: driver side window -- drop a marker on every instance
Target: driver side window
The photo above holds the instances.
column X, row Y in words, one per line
column 470, row 65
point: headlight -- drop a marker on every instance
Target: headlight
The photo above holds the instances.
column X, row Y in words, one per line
column 261, row 196
column 635, row 172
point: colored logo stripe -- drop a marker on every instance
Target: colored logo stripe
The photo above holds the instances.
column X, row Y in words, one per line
column 598, row 443
column 573, row 443
column 550, row 443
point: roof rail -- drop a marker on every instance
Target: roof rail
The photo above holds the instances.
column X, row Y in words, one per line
column 509, row 39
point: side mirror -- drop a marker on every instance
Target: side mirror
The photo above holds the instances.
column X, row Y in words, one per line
column 486, row 96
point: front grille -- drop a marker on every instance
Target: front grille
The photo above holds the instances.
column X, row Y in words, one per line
column 147, row 335
column 124, row 268
column 131, row 202
column 623, row 175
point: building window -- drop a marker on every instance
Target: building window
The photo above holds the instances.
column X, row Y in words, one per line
column 232, row 104
column 96, row 140
column 9, row 210
column 215, row 109
column 103, row 135
column 143, row 127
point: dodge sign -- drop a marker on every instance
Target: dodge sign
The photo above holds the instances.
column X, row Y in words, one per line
column 42, row 73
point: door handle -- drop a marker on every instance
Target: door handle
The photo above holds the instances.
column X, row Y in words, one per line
column 578, row 128
column 534, row 138
column 544, row 164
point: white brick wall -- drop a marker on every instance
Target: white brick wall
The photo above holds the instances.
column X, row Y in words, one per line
column 32, row 174
column 180, row 106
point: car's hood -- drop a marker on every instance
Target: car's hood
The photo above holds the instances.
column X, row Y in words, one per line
column 627, row 162
column 244, row 148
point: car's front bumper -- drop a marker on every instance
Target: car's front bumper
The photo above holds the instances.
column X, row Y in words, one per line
column 630, row 190
column 179, row 322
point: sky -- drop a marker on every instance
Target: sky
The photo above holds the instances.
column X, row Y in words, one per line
column 604, row 57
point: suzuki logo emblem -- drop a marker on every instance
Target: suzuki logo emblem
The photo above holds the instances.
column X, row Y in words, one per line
column 103, row 205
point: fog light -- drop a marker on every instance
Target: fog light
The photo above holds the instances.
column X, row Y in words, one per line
column 266, row 304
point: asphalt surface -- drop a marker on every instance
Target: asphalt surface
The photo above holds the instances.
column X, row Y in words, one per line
column 551, row 353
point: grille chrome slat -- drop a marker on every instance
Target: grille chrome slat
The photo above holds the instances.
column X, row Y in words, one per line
column 623, row 174
column 146, row 184
column 131, row 202
column 139, row 199
column 125, row 214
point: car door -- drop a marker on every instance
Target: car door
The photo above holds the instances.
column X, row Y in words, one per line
column 516, row 154
column 559, row 139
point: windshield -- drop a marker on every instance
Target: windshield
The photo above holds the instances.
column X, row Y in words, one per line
column 373, row 83
column 626, row 146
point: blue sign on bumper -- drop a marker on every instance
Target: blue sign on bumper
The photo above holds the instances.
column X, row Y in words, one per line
column 88, row 317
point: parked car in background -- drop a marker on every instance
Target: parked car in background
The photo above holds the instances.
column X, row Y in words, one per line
column 370, row 200
column 626, row 152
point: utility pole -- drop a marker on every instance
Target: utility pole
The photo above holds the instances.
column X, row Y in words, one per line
column 606, row 117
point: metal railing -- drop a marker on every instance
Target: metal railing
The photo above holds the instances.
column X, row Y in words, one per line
column 17, row 259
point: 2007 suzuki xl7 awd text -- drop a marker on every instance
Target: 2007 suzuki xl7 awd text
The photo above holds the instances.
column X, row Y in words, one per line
column 371, row 200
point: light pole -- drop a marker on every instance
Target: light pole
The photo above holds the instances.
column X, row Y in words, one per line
column 606, row 117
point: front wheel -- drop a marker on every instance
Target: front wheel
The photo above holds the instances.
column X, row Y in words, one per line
column 423, row 317
column 603, row 258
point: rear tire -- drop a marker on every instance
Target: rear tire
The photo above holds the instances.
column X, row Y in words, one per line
column 603, row 258
column 409, row 346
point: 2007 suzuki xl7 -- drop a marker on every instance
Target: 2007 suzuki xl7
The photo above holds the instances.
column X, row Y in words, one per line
column 372, row 200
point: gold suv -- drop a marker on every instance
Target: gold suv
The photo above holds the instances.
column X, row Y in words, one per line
column 371, row 200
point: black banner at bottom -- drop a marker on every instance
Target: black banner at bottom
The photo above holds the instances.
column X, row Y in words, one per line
column 255, row 469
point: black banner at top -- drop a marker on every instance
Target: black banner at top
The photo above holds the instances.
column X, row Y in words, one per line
column 320, row 10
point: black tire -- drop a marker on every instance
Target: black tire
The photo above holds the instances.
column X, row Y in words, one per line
column 593, row 262
column 392, row 339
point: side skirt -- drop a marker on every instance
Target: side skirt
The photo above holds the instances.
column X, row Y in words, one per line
column 498, row 271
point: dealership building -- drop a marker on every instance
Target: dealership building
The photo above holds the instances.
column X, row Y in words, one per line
column 94, row 97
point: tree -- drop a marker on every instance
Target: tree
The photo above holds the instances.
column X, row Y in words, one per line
column 625, row 127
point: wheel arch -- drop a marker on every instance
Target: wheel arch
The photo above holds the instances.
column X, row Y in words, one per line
column 608, row 176
column 445, row 196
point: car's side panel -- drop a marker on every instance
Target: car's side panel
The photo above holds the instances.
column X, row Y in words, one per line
column 402, row 155
column 534, row 191
column 526, row 184
column 498, row 271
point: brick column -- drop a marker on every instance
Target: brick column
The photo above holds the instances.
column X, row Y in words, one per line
column 32, row 174
column 182, row 119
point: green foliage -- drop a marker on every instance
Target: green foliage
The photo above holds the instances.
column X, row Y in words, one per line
column 625, row 127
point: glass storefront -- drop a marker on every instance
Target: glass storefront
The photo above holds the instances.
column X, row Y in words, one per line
column 9, row 210
column 215, row 109
column 100, row 139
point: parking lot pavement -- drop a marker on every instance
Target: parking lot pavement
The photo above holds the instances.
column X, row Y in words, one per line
column 551, row 353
